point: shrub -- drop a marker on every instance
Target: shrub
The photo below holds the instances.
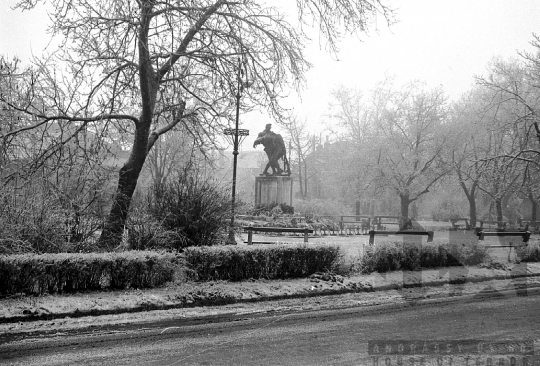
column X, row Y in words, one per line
column 528, row 253
column 70, row 272
column 273, row 209
column 395, row 256
column 41, row 223
column 33, row 225
column 144, row 232
column 193, row 210
column 242, row 263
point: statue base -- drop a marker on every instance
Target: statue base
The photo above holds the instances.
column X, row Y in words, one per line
column 273, row 189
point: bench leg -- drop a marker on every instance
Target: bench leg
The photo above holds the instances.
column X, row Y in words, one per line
column 250, row 237
column 305, row 235
column 371, row 238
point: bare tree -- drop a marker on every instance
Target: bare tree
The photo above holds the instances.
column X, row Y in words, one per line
column 398, row 138
column 301, row 145
column 412, row 136
column 467, row 145
column 514, row 112
column 121, row 64
column 514, row 84
column 530, row 188
column 170, row 154
column 353, row 117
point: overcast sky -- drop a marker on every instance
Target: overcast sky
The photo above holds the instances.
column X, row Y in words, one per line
column 441, row 42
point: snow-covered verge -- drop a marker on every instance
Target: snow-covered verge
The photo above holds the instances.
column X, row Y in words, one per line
column 409, row 285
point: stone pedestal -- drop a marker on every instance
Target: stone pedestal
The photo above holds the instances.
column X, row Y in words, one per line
column 273, row 189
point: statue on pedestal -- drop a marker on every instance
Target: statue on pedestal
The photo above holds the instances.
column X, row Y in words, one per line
column 275, row 150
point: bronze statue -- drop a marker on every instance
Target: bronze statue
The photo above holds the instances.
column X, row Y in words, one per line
column 275, row 150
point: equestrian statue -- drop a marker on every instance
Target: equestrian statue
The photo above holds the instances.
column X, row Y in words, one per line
column 275, row 150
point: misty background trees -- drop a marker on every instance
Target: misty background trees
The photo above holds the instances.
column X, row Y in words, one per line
column 416, row 146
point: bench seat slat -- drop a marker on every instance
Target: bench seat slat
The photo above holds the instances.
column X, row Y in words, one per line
column 279, row 229
column 251, row 229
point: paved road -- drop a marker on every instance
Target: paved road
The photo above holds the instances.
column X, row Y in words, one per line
column 338, row 337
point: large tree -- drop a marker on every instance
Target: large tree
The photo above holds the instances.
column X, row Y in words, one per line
column 412, row 132
column 121, row 64
column 301, row 144
column 467, row 145
column 352, row 116
column 514, row 85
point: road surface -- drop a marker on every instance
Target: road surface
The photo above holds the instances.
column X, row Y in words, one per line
column 336, row 337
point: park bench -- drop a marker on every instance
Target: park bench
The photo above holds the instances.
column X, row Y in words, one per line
column 525, row 235
column 372, row 234
column 264, row 229
column 456, row 223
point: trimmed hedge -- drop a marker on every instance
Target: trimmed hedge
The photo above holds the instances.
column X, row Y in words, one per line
column 70, row 272
column 234, row 263
column 397, row 256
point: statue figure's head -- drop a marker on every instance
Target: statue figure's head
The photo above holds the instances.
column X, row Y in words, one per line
column 268, row 127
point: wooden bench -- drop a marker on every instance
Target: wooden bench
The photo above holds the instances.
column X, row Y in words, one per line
column 456, row 226
column 372, row 234
column 264, row 229
column 525, row 235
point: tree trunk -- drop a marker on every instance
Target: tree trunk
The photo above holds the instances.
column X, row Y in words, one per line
column 111, row 236
column 472, row 211
column 405, row 201
column 534, row 207
column 300, row 175
column 471, row 197
column 414, row 211
column 499, row 210
column 305, row 181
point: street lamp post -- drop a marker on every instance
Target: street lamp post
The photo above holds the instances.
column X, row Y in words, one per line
column 236, row 133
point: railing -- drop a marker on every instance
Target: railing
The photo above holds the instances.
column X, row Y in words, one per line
column 361, row 224
column 500, row 224
column 372, row 234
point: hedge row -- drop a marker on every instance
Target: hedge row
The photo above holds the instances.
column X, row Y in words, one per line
column 396, row 256
column 69, row 272
column 233, row 263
